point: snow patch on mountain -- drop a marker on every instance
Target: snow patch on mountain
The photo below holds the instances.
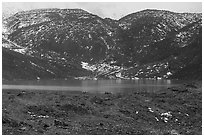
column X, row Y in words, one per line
column 87, row 66
column 22, row 51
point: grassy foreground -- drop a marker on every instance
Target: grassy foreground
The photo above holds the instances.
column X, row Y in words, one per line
column 176, row 110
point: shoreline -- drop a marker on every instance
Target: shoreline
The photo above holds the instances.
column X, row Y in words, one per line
column 176, row 110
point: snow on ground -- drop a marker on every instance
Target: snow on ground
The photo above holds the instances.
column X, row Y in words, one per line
column 169, row 73
column 104, row 41
column 50, row 71
column 22, row 51
column 36, row 65
column 104, row 69
column 86, row 66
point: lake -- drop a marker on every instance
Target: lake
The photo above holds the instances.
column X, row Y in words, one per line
column 93, row 86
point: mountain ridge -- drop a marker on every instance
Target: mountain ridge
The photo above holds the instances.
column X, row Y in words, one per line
column 4, row 17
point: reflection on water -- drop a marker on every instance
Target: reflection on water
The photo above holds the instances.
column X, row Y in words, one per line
column 96, row 86
column 126, row 85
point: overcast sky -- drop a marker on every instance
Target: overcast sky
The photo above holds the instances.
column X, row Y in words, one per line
column 114, row 10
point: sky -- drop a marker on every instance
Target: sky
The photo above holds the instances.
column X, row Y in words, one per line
column 114, row 10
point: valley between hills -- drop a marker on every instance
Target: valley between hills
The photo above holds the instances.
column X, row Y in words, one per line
column 64, row 44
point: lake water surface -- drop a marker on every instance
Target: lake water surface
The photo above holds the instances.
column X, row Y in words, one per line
column 93, row 86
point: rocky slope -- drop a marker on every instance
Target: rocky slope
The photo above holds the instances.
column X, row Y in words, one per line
column 65, row 43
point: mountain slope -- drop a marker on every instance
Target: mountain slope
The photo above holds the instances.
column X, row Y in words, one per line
column 16, row 64
column 74, row 31
column 75, row 43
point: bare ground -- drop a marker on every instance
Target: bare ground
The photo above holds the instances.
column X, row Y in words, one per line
column 176, row 110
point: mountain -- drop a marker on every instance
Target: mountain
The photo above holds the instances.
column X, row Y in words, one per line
column 18, row 65
column 160, row 43
column 74, row 31
column 71, row 43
